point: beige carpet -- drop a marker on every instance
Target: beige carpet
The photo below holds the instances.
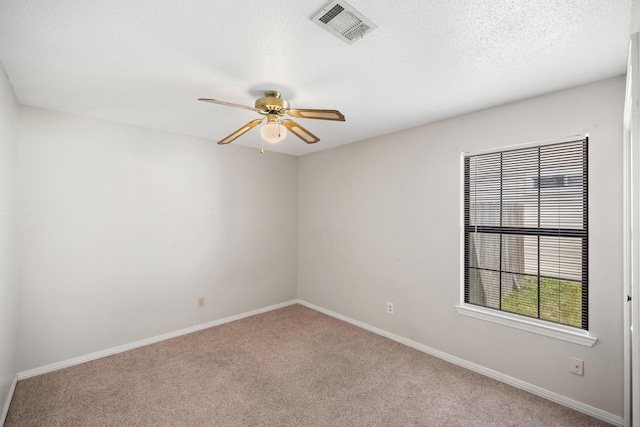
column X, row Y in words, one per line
column 288, row 367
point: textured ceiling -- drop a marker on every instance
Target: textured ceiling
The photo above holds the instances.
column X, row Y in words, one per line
column 145, row 62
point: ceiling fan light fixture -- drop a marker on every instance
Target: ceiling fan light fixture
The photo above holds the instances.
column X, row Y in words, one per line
column 273, row 132
column 275, row 108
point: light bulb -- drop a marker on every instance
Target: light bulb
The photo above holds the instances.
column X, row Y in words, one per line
column 273, row 132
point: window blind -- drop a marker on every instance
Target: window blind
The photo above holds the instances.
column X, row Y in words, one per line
column 526, row 231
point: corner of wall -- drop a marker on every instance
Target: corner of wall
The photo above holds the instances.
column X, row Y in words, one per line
column 8, row 246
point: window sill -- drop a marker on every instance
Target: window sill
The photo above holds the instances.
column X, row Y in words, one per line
column 559, row 332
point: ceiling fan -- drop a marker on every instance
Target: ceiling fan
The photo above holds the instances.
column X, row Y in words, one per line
column 274, row 108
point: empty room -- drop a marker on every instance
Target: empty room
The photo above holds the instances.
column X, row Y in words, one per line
column 319, row 213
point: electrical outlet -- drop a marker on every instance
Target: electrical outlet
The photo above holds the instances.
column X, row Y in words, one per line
column 200, row 301
column 389, row 308
column 577, row 366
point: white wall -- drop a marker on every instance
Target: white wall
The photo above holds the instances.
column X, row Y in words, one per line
column 8, row 248
column 123, row 228
column 380, row 221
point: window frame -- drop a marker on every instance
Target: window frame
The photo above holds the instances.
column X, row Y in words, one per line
column 547, row 328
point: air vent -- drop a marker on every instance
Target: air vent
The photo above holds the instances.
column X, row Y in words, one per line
column 343, row 21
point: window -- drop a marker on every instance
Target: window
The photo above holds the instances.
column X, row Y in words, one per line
column 525, row 232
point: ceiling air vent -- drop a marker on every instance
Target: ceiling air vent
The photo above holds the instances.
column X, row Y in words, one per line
column 343, row 21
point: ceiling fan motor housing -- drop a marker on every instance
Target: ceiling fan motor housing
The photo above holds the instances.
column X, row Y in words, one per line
column 272, row 103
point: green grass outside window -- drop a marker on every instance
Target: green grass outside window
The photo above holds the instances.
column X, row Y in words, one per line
column 560, row 301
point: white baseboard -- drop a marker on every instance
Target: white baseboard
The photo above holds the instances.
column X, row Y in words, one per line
column 549, row 395
column 5, row 410
column 114, row 350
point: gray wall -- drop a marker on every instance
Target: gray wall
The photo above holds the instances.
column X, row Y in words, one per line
column 8, row 272
column 380, row 221
column 123, row 228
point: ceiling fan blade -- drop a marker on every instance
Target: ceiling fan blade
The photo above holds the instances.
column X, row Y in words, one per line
column 317, row 114
column 244, row 129
column 299, row 131
column 229, row 104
